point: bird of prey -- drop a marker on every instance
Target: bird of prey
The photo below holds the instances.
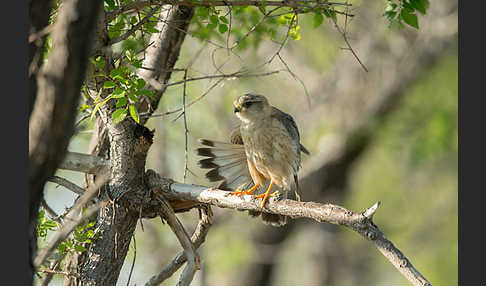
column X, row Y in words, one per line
column 264, row 151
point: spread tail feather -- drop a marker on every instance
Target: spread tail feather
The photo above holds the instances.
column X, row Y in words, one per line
column 226, row 163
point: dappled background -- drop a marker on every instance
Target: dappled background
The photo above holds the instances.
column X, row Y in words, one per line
column 388, row 135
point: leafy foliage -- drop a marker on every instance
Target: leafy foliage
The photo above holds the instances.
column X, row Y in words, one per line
column 405, row 11
column 126, row 87
column 44, row 224
column 82, row 235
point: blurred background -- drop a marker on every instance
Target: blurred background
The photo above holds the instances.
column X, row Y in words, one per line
column 387, row 135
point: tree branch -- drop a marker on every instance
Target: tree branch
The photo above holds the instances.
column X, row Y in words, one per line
column 291, row 4
column 359, row 222
column 84, row 163
column 198, row 237
column 68, row 227
column 190, row 252
column 67, row 184
column 57, row 88
column 334, row 214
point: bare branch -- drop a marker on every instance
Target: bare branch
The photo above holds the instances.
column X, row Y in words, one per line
column 57, row 272
column 345, row 38
column 70, row 226
column 83, row 163
column 67, row 184
column 186, row 131
column 189, row 249
column 359, row 222
column 134, row 257
column 50, row 211
column 198, row 238
column 334, row 214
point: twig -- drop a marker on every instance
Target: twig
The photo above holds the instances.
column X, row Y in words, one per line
column 50, row 211
column 265, row 16
column 70, row 226
column 295, row 4
column 62, row 234
column 189, row 104
column 134, row 28
column 347, row 43
column 57, row 272
column 193, row 265
column 296, row 78
column 238, row 74
column 221, row 78
column 134, row 257
column 186, row 131
column 54, row 267
column 198, row 238
column 67, row 184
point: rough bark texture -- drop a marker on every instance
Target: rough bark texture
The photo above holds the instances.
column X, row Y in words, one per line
column 164, row 52
column 125, row 145
column 38, row 19
column 56, row 97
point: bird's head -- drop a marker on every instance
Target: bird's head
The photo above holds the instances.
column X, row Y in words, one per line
column 250, row 107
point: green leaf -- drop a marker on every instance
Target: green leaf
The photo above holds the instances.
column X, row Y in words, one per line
column 222, row 28
column 134, row 113
column 121, row 102
column 118, row 93
column 116, row 74
column 108, row 84
column 140, row 83
column 214, row 19
column 133, row 96
column 119, row 115
column 152, row 30
column 317, row 20
column 79, row 248
column 61, row 248
column 137, row 63
column 211, row 26
column 224, row 19
column 410, row 19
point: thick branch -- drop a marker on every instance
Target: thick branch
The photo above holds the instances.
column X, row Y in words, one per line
column 164, row 52
column 189, row 249
column 198, row 237
column 83, row 163
column 56, row 96
column 334, row 214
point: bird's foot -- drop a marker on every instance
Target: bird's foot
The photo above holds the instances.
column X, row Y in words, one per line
column 246, row 192
column 265, row 196
column 241, row 192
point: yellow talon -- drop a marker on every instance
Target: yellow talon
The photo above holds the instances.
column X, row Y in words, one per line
column 267, row 194
column 246, row 192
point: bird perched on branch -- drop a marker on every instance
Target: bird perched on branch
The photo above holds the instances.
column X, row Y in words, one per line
column 263, row 152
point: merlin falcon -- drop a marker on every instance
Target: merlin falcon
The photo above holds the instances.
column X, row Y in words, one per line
column 263, row 152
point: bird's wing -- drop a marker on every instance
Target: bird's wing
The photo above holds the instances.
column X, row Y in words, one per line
column 227, row 163
column 291, row 127
column 289, row 123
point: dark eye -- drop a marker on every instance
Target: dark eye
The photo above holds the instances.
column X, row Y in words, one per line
column 247, row 104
